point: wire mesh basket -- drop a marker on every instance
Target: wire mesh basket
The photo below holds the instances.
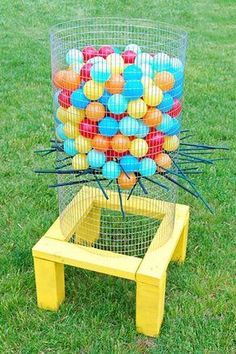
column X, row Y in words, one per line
column 118, row 94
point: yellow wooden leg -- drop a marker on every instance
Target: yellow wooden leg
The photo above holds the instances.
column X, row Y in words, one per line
column 150, row 301
column 179, row 254
column 50, row 284
column 89, row 228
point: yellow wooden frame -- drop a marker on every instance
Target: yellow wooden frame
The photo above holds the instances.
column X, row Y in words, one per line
column 53, row 251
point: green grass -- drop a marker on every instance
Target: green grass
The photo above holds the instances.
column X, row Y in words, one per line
column 98, row 314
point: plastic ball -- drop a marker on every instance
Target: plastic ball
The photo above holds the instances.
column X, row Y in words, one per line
column 134, row 47
column 60, row 133
column 129, row 163
column 105, row 50
column 169, row 126
column 147, row 81
column 127, row 182
column 96, row 60
column 62, row 114
column 116, row 63
column 166, row 103
column 88, row 128
column 137, row 108
column 100, row 72
column 117, row 104
column 177, row 92
column 93, row 90
column 82, row 144
column 129, row 56
column 76, row 67
column 161, row 62
column 143, row 129
column 152, row 96
column 138, row 147
column 120, row 143
column 79, row 100
column 171, row 143
column 108, row 126
column 111, row 154
column 164, row 80
column 147, row 167
column 128, row 126
column 111, row 170
column 163, row 161
column 70, row 130
column 89, row 52
column 85, row 72
column 75, row 115
column 147, row 70
column 155, row 142
column 55, row 98
column 64, row 98
column 153, row 117
column 96, row 159
column 67, row 79
column 176, row 109
column 143, row 58
column 69, row 147
column 115, row 84
column 95, row 111
column 133, row 89
column 74, row 56
column 105, row 97
column 100, row 143
column 79, row 162
column 177, row 63
column 132, row 72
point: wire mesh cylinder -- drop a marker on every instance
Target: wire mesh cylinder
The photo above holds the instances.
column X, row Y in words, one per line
column 118, row 94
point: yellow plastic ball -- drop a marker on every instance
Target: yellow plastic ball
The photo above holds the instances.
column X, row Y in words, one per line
column 75, row 115
column 70, row 130
column 62, row 114
column 93, row 90
column 152, row 95
column 79, row 162
column 147, row 82
column 138, row 147
column 171, row 143
column 116, row 63
column 137, row 108
column 82, row 144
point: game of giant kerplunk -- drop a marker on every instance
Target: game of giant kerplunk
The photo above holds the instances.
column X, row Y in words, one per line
column 121, row 155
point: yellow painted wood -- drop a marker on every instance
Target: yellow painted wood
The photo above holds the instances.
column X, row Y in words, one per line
column 87, row 258
column 150, row 300
column 179, row 254
column 89, row 228
column 50, row 287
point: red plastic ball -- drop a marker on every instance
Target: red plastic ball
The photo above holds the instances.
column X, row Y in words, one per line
column 155, row 142
column 89, row 52
column 105, row 50
column 88, row 129
column 118, row 116
column 64, row 98
column 85, row 72
column 129, row 56
column 176, row 109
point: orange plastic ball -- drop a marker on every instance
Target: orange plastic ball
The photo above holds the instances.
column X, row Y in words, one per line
column 120, row 143
column 100, row 143
column 164, row 80
column 115, row 84
column 67, row 79
column 95, row 111
column 163, row 160
column 126, row 182
column 153, row 117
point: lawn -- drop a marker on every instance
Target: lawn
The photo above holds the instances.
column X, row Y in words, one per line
column 98, row 314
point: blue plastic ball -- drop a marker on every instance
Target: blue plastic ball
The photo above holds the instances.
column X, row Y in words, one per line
column 133, row 89
column 147, row 167
column 105, row 97
column 166, row 103
column 147, row 70
column 96, row 159
column 117, row 104
column 111, row 170
column 108, row 126
column 100, row 72
column 143, row 129
column 177, row 92
column 128, row 126
column 74, row 56
column 60, row 132
column 169, row 125
column 132, row 72
column 161, row 62
column 129, row 163
column 78, row 99
column 69, row 147
column 117, row 50
column 175, row 129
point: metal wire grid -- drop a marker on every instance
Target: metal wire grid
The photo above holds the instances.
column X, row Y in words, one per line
column 133, row 234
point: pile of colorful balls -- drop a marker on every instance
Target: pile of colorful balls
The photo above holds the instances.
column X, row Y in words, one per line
column 119, row 111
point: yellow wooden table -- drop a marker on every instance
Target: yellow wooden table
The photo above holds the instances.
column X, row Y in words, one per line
column 53, row 251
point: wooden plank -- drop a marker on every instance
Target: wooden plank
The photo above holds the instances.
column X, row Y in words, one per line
column 87, row 258
column 156, row 260
column 179, row 254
